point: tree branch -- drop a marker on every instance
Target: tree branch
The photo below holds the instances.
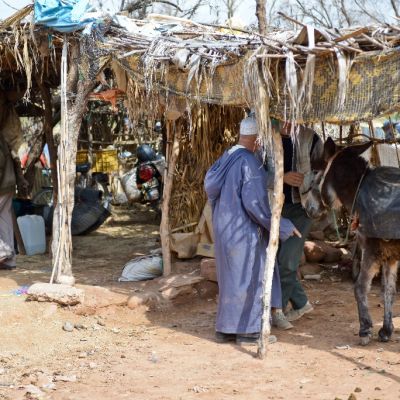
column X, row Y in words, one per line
column 140, row 4
column 261, row 16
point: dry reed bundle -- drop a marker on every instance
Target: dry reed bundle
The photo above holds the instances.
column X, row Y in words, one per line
column 214, row 128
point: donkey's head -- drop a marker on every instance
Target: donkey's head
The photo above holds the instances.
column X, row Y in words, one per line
column 339, row 172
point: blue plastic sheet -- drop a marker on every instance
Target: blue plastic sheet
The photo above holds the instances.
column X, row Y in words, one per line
column 63, row 15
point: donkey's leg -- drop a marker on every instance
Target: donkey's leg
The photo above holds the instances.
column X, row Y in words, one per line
column 369, row 268
column 389, row 274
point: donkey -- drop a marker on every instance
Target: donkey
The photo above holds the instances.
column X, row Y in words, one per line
column 372, row 197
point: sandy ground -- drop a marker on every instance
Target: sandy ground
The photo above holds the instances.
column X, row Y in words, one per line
column 168, row 352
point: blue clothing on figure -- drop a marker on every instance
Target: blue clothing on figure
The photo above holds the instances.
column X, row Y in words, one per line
column 236, row 187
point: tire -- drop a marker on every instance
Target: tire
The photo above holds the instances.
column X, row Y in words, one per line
column 84, row 216
column 44, row 197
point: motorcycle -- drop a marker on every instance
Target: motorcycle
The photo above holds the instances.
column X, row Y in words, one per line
column 143, row 183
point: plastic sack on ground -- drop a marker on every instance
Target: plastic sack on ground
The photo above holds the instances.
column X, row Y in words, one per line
column 63, row 15
column 128, row 182
column 142, row 269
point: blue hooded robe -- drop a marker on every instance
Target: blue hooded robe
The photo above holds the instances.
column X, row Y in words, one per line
column 236, row 187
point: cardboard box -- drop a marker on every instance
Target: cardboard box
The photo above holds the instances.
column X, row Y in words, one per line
column 208, row 269
column 205, row 250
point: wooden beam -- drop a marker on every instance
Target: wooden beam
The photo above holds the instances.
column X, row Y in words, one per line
column 173, row 137
column 350, row 35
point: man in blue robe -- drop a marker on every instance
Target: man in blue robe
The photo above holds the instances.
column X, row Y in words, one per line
column 236, row 187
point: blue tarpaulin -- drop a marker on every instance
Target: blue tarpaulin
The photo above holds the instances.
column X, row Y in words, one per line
column 63, row 15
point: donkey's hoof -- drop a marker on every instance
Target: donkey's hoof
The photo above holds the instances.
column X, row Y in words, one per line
column 364, row 340
column 383, row 336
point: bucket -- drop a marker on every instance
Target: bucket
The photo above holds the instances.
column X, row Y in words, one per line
column 33, row 234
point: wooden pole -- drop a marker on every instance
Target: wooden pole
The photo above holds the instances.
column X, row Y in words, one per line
column 72, row 110
column 261, row 14
column 264, row 124
column 172, row 153
column 273, row 243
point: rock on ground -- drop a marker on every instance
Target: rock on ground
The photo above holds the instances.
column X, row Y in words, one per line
column 57, row 293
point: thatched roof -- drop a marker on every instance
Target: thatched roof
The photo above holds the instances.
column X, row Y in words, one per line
column 310, row 74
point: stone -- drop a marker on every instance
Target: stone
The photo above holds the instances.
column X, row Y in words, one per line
column 43, row 381
column 357, row 390
column 33, row 391
column 175, row 286
column 80, row 327
column 68, row 326
column 99, row 297
column 92, row 365
column 172, row 293
column 65, row 378
column 82, row 355
column 148, row 298
column 57, row 293
column 49, row 386
column 314, row 252
column 208, row 269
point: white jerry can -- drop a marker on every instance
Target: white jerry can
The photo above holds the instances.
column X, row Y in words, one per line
column 33, row 234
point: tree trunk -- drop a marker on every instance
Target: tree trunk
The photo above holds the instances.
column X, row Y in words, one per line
column 72, row 110
column 261, row 14
column 172, row 153
column 266, row 131
column 273, row 243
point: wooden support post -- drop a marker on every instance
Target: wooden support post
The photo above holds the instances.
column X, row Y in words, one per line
column 72, row 110
column 172, row 153
column 273, row 243
column 264, row 124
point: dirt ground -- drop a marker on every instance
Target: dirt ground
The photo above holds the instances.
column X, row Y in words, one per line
column 168, row 351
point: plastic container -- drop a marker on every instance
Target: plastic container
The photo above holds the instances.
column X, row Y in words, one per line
column 33, row 234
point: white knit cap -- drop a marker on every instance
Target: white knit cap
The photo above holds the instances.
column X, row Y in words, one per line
column 248, row 126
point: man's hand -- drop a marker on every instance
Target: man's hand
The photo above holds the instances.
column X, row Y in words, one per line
column 296, row 233
column 293, row 178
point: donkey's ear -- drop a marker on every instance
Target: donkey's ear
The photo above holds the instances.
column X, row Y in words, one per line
column 358, row 149
column 329, row 148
